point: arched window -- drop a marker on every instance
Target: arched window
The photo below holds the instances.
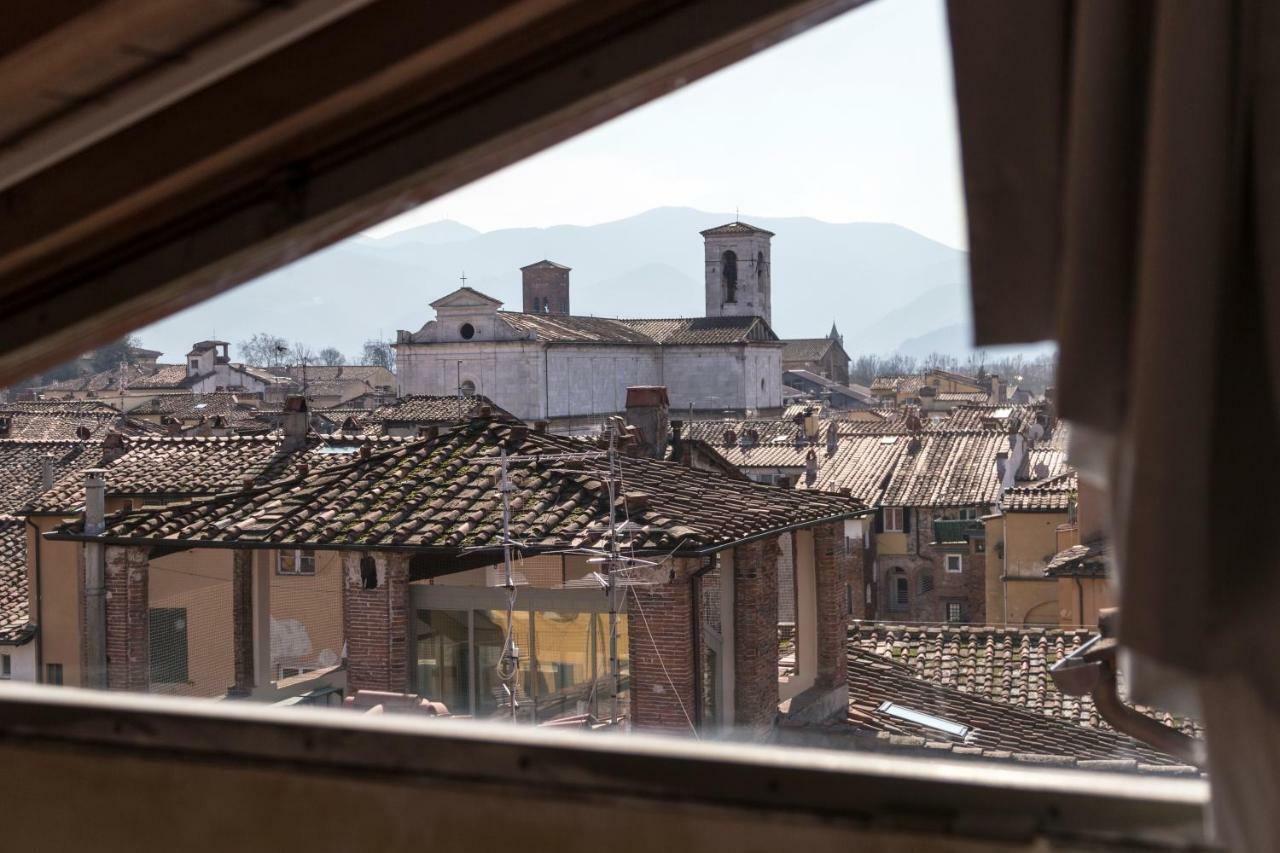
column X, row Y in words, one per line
column 899, row 590
column 760, row 266
column 729, row 275
column 468, row 388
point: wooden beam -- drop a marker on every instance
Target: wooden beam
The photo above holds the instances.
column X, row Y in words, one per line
column 360, row 121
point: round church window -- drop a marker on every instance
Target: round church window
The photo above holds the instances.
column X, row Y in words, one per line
column 467, row 331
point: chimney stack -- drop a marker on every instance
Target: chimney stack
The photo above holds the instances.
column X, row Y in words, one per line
column 810, row 468
column 95, row 501
column 46, row 472
column 648, row 410
column 296, row 423
column 833, row 438
column 677, row 445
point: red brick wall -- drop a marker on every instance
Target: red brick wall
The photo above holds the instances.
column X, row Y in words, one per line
column 128, row 621
column 376, row 623
column 242, row 619
column 660, row 633
column 549, row 283
column 755, row 621
column 832, row 564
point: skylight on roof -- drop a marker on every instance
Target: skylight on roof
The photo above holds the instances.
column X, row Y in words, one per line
column 199, row 405
column 1002, row 413
column 336, row 449
column 920, row 718
column 888, row 439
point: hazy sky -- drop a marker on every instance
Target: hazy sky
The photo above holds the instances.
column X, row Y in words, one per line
column 853, row 121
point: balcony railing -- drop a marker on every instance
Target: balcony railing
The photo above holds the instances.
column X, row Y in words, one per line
column 955, row 529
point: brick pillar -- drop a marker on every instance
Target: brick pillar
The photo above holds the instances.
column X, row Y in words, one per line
column 242, row 621
column 128, row 621
column 831, row 570
column 375, row 619
column 662, row 636
column 755, row 620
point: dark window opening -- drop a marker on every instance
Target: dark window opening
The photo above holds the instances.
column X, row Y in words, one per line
column 467, row 331
column 168, row 643
column 760, row 266
column 729, row 275
column 468, row 388
column 368, row 573
column 955, row 611
column 53, row 673
column 6, row 666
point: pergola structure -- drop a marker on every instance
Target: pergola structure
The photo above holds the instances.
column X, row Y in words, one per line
column 432, row 508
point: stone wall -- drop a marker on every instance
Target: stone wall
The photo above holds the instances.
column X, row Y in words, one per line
column 375, row 616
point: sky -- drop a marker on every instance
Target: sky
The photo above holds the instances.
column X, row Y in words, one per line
column 853, row 121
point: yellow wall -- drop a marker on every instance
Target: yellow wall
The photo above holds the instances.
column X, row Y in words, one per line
column 306, row 615
column 891, row 543
column 200, row 583
column 1097, row 594
column 1017, row 591
column 62, row 574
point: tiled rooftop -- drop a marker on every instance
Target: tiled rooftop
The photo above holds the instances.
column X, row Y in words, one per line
column 1049, row 495
column 996, row 730
column 15, row 617
column 442, row 494
column 21, row 467
column 568, row 328
column 191, row 406
column 1088, row 560
column 805, row 349
column 71, row 423
column 1005, row 664
column 187, row 466
column 429, row 409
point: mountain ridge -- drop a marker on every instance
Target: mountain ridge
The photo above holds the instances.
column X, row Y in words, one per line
column 866, row 276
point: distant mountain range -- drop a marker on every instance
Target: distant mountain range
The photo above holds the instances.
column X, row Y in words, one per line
column 887, row 287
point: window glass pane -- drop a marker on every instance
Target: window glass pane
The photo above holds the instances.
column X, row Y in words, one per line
column 573, row 676
column 443, row 663
column 168, row 645
column 492, row 698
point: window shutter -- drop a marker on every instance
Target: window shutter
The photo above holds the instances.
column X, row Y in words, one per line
column 906, row 519
column 880, row 520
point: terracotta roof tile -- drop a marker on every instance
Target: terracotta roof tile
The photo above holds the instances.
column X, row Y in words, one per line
column 996, row 730
column 21, row 467
column 1005, row 664
column 15, row 616
column 441, row 494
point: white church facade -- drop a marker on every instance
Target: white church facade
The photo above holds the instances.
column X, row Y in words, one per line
column 544, row 363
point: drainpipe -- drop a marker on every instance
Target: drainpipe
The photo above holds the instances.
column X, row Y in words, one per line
column 1080, row 599
column 95, row 593
column 39, row 606
column 1004, row 560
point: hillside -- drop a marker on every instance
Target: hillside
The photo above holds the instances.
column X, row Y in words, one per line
column 883, row 284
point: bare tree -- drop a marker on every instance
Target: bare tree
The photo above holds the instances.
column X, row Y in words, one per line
column 332, row 357
column 301, row 355
column 264, row 350
column 379, row 354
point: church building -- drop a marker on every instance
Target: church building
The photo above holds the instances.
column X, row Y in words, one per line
column 546, row 363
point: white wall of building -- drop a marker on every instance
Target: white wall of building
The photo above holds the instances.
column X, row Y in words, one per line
column 22, row 662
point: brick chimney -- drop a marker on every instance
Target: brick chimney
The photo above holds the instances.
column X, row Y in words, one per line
column 648, row 410
column 546, row 288
column 295, row 423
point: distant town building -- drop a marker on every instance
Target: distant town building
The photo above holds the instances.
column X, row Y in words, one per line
column 545, row 363
column 825, row 357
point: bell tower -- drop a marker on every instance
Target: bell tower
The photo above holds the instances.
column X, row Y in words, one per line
column 739, row 269
column 546, row 288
